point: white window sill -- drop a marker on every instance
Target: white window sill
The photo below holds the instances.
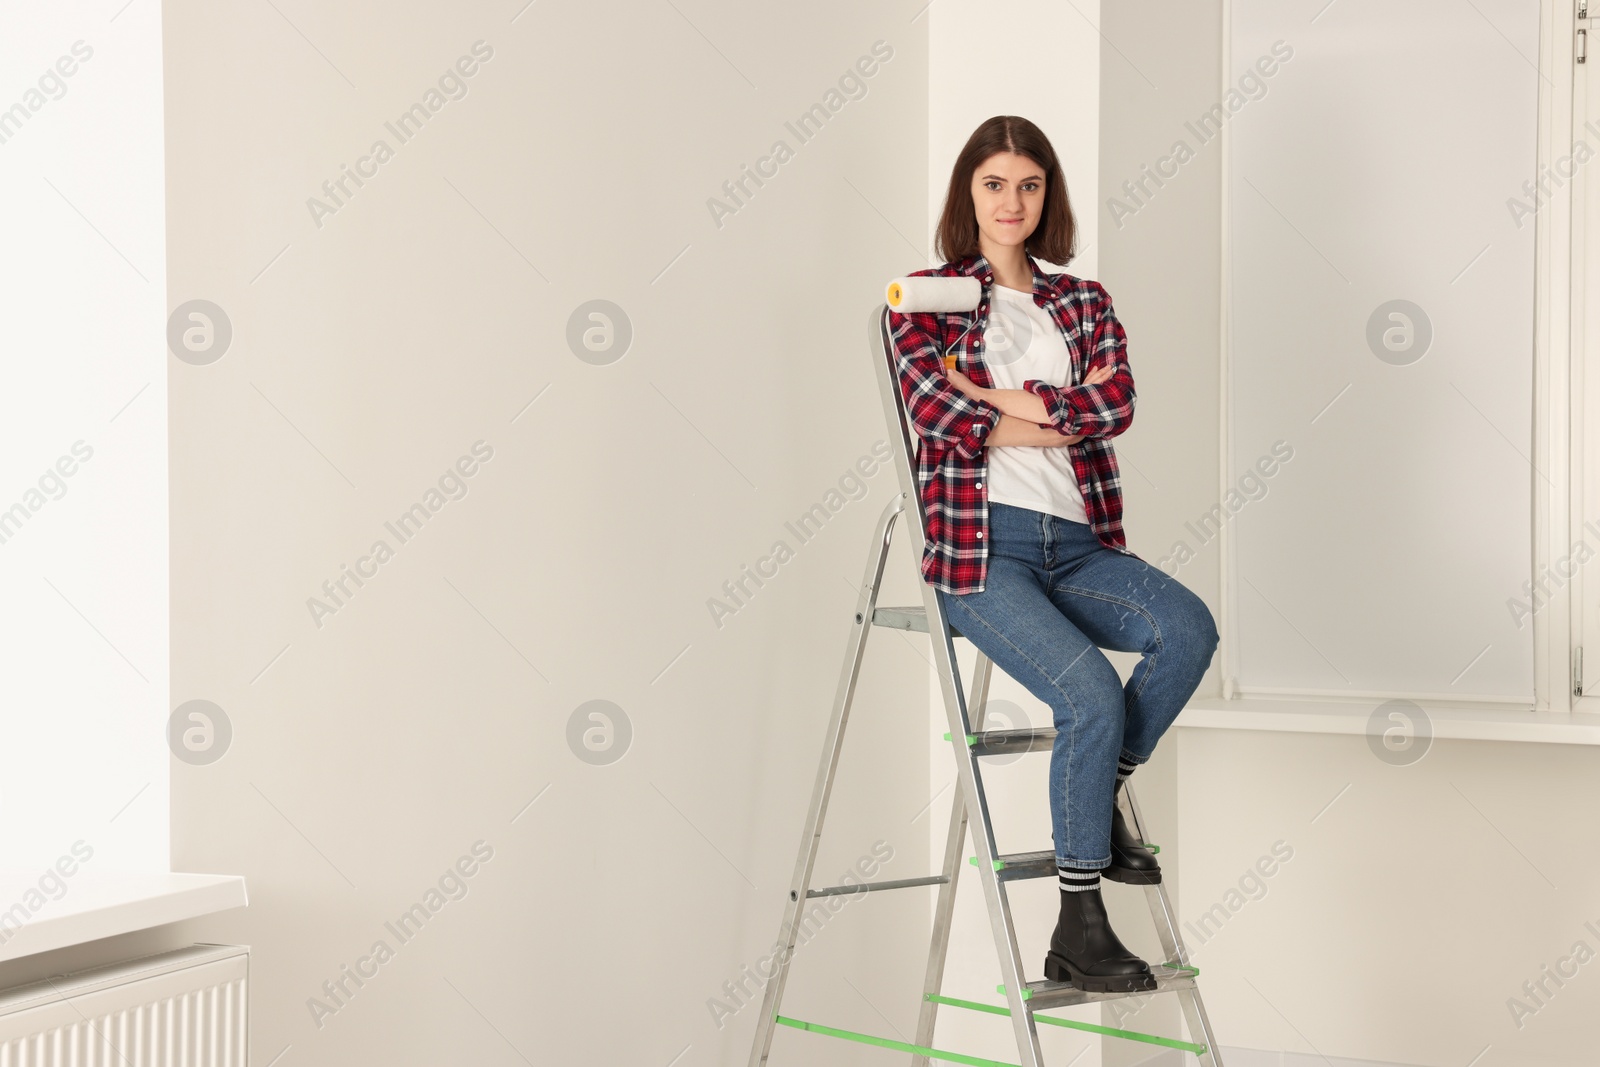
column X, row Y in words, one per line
column 98, row 904
column 1292, row 715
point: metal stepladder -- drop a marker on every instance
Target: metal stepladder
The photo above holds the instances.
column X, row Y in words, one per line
column 970, row 743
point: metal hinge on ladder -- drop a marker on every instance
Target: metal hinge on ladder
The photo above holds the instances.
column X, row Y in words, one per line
column 968, row 742
column 1583, row 33
column 1577, row 671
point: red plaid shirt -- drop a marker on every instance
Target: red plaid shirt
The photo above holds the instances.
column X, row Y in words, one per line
column 952, row 460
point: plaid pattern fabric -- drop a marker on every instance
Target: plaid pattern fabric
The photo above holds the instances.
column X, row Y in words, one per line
column 952, row 462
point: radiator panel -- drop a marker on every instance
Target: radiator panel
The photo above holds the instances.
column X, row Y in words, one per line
column 182, row 1009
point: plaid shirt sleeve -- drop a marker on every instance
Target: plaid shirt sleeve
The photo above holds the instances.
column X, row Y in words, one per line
column 1103, row 410
column 937, row 409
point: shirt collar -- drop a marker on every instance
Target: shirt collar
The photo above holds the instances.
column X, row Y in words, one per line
column 977, row 266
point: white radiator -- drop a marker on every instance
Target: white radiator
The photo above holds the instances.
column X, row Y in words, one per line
column 185, row 1008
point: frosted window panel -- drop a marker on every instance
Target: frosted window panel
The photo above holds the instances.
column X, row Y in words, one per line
column 1382, row 328
column 83, row 437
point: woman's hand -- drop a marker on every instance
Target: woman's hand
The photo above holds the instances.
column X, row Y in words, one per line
column 1098, row 375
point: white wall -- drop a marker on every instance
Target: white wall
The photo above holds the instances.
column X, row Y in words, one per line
column 436, row 706
column 83, row 438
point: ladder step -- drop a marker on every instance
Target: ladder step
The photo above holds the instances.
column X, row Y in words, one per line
column 868, row 887
column 1046, row 994
column 1019, row 865
column 1010, row 742
column 1023, row 865
column 914, row 618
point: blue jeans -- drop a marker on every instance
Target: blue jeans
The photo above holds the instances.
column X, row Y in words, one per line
column 1053, row 593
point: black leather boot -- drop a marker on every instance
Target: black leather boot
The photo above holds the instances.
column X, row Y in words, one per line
column 1085, row 951
column 1131, row 862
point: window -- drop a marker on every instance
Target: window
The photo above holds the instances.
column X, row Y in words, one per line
column 83, row 437
column 1380, row 354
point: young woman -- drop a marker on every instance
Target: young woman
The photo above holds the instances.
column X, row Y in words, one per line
column 1023, row 504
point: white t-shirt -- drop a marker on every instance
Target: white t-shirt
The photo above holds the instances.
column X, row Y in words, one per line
column 1021, row 341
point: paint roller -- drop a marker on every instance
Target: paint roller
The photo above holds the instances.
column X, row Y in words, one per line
column 934, row 293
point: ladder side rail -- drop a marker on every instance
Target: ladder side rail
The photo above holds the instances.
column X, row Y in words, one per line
column 954, row 847
column 1005, row 937
column 1194, row 1010
column 1166, row 923
column 811, row 836
column 905, row 439
column 1161, row 909
column 994, row 893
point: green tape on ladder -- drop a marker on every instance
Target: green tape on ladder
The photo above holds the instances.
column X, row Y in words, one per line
column 972, row 739
column 888, row 1042
column 1128, row 1035
column 999, row 865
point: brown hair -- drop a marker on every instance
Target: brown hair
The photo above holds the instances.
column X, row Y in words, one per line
column 1053, row 239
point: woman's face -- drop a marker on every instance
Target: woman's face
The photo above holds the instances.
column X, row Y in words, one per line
column 1008, row 194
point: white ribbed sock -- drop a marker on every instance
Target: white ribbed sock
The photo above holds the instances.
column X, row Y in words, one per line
column 1076, row 880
